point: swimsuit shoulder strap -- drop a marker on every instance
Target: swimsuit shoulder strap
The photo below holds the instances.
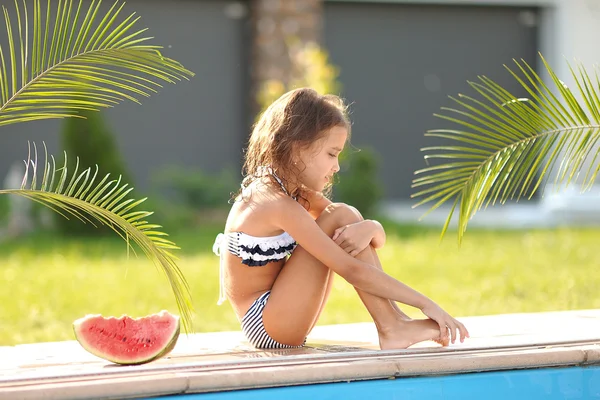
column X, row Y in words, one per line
column 281, row 184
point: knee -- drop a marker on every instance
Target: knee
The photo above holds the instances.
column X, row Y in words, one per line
column 339, row 214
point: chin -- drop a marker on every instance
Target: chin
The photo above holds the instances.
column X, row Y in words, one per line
column 316, row 188
column 319, row 186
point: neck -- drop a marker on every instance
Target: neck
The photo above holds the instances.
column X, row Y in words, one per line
column 288, row 188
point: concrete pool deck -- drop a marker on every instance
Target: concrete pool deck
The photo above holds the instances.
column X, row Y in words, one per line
column 211, row 362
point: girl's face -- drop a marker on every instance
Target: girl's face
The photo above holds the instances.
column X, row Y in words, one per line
column 320, row 161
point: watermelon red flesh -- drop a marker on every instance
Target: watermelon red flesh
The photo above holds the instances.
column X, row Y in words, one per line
column 126, row 340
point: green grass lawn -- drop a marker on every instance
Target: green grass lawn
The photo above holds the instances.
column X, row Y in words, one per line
column 48, row 281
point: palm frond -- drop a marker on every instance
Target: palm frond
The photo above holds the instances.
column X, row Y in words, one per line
column 76, row 59
column 105, row 201
column 503, row 147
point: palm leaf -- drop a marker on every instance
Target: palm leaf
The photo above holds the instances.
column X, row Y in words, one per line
column 503, row 147
column 105, row 201
column 76, row 59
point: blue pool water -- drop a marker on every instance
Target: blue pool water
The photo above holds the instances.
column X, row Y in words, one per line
column 531, row 384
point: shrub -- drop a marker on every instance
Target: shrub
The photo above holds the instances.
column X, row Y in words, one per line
column 90, row 140
column 4, row 208
column 358, row 184
column 197, row 195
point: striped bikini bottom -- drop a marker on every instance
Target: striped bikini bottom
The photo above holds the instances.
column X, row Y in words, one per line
column 254, row 329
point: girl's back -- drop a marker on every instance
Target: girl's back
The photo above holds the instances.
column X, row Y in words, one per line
column 252, row 231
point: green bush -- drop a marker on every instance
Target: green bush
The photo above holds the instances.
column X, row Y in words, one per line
column 4, row 209
column 193, row 195
column 358, row 184
column 91, row 141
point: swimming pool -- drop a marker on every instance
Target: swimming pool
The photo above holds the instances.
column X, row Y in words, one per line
column 532, row 384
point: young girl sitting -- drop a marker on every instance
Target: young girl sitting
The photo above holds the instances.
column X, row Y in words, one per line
column 282, row 210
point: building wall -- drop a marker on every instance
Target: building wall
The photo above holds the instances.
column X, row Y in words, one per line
column 568, row 34
column 399, row 62
column 197, row 123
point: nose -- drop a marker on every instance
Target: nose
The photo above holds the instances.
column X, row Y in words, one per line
column 336, row 167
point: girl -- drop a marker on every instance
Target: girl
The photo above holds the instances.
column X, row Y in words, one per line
column 282, row 210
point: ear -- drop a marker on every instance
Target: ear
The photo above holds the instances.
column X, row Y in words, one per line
column 296, row 154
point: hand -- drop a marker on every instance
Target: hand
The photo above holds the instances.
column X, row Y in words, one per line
column 354, row 238
column 446, row 323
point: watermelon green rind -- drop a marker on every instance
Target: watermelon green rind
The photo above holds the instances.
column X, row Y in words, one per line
column 171, row 345
column 88, row 345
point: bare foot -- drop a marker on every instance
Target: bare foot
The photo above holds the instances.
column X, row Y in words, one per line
column 405, row 317
column 407, row 333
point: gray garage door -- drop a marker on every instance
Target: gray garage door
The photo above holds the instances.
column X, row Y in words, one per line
column 197, row 123
column 400, row 62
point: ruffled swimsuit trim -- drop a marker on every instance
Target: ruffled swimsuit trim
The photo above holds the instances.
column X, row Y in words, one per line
column 254, row 251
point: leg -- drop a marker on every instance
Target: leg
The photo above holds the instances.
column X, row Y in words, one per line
column 328, row 286
column 301, row 288
column 299, row 293
column 378, row 265
column 374, row 260
column 395, row 329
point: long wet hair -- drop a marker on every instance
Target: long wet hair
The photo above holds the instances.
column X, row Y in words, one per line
column 290, row 124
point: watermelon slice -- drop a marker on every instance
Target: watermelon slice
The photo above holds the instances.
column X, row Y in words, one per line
column 126, row 340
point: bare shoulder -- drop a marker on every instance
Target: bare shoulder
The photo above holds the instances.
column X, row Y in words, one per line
column 260, row 194
column 255, row 210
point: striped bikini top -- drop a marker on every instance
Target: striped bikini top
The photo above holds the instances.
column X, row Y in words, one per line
column 254, row 251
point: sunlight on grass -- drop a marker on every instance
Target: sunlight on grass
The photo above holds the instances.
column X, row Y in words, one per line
column 49, row 282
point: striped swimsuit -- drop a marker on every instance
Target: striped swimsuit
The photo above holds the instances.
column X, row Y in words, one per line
column 255, row 252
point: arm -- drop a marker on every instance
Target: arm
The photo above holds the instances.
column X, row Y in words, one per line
column 291, row 217
column 354, row 238
column 316, row 202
